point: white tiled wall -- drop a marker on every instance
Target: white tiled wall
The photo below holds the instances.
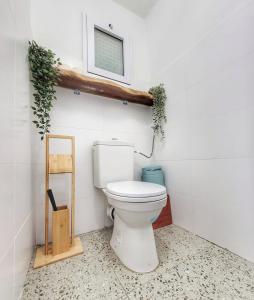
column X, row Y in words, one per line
column 16, row 220
column 207, row 64
column 58, row 25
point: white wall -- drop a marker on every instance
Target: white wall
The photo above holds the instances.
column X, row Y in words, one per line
column 16, row 223
column 204, row 53
column 58, row 25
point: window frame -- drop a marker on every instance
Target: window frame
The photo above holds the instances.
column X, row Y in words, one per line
column 92, row 23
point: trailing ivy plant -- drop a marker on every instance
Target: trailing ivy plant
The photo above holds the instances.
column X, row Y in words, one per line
column 44, row 70
column 158, row 109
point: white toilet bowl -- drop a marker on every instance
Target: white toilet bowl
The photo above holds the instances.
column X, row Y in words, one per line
column 137, row 205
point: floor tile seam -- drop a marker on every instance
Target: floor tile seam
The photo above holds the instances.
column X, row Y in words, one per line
column 167, row 241
column 198, row 281
column 184, row 255
column 245, row 272
column 121, row 285
column 194, row 255
column 234, row 289
column 143, row 281
column 118, row 284
column 90, row 232
column 91, row 254
column 212, row 278
column 178, row 235
column 182, row 242
column 109, row 263
column 162, row 242
column 233, row 256
column 230, row 256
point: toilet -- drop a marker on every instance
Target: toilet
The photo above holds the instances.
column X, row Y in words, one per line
column 136, row 204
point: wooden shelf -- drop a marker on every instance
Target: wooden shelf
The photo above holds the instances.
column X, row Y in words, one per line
column 72, row 79
column 60, row 163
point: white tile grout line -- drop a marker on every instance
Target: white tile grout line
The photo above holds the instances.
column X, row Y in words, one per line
column 14, row 237
column 220, row 69
column 223, row 21
column 209, row 158
column 11, row 245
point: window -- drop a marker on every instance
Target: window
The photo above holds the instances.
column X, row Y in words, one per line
column 108, row 52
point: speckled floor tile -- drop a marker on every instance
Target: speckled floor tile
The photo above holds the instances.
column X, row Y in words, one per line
column 183, row 281
column 181, row 241
column 95, row 241
column 167, row 286
column 189, row 268
column 240, row 283
column 80, row 277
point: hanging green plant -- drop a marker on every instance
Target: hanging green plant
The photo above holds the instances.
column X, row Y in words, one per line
column 158, row 108
column 44, row 70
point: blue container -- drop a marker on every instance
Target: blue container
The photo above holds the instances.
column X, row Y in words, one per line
column 153, row 174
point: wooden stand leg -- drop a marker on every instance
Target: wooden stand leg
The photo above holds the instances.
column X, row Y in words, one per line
column 73, row 190
column 46, row 195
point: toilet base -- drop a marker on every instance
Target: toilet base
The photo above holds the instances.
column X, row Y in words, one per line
column 135, row 246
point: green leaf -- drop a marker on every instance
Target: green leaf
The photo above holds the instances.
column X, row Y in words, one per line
column 44, row 75
column 158, row 109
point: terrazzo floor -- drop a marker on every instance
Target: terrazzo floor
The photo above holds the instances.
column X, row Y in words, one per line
column 190, row 268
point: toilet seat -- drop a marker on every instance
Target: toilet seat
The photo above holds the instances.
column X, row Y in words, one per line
column 135, row 191
column 135, row 199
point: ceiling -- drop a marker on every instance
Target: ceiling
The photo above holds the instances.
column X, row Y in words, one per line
column 139, row 7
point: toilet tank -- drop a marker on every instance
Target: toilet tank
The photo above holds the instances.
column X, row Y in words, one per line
column 112, row 161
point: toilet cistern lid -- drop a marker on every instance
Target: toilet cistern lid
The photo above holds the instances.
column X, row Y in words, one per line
column 135, row 189
column 113, row 143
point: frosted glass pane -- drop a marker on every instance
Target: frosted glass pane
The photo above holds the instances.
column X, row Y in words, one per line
column 108, row 52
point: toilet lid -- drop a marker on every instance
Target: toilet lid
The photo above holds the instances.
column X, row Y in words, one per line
column 135, row 189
